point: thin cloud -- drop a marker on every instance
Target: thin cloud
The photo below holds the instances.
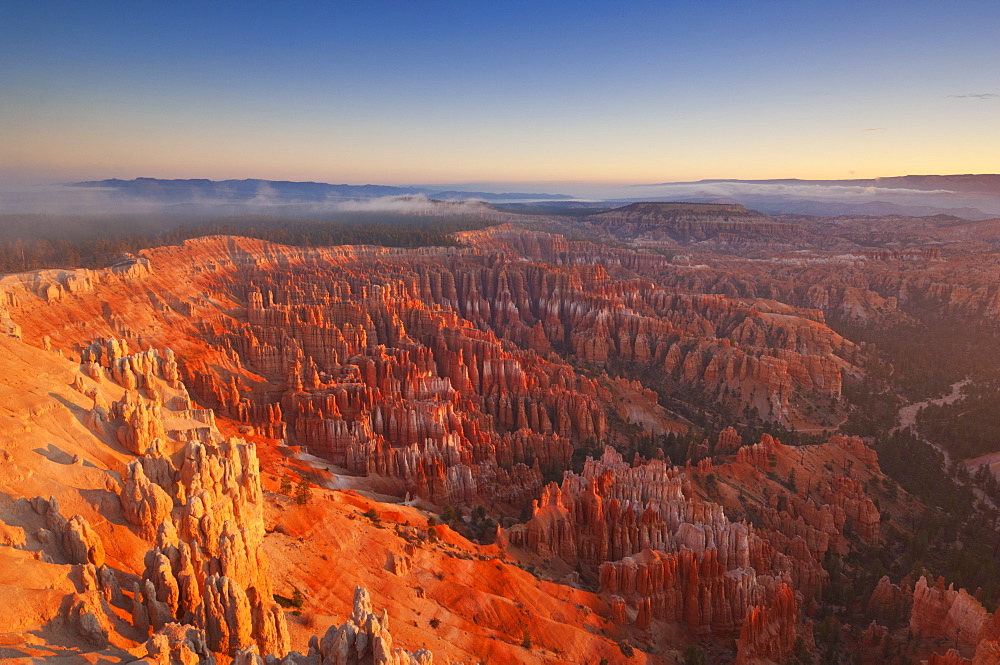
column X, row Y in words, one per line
column 977, row 95
column 875, row 129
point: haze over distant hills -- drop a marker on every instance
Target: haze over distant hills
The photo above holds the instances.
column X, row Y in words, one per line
column 972, row 197
column 971, row 183
column 283, row 191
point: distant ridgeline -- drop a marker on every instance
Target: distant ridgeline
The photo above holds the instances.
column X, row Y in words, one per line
column 984, row 183
column 200, row 190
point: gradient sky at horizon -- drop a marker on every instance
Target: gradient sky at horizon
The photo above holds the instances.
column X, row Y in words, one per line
column 513, row 92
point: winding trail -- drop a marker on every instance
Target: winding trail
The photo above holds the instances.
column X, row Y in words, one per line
column 908, row 414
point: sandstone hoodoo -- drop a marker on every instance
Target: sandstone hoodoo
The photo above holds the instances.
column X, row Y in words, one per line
column 523, row 448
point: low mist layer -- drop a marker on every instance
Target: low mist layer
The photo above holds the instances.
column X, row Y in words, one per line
column 972, row 197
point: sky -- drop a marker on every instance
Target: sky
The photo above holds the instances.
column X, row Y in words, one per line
column 528, row 93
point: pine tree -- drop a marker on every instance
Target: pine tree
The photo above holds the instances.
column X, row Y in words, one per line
column 303, row 492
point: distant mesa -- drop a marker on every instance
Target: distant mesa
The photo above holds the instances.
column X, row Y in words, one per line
column 968, row 183
column 674, row 210
column 686, row 222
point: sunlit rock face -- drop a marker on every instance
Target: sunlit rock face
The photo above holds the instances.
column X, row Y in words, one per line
column 179, row 387
column 444, row 369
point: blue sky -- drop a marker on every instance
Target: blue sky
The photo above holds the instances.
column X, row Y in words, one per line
column 513, row 92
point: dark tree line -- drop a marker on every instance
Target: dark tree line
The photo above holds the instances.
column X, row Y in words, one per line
column 33, row 242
